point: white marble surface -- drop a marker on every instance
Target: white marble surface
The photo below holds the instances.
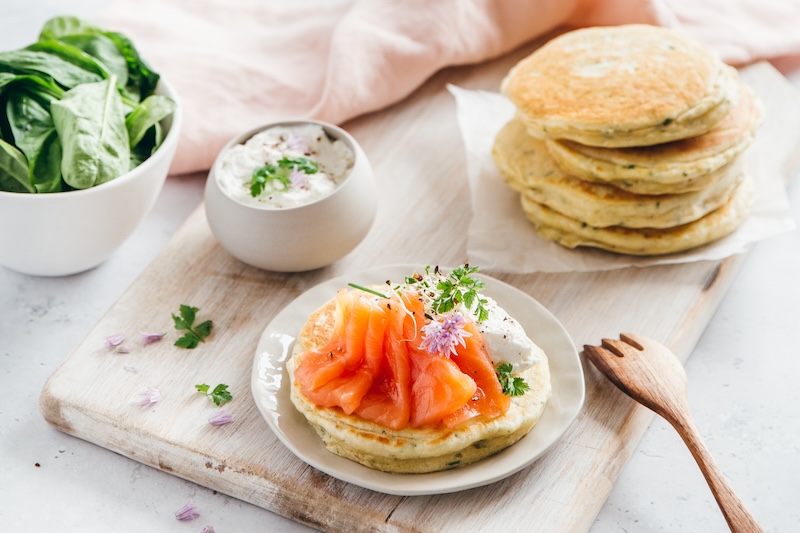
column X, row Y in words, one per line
column 742, row 376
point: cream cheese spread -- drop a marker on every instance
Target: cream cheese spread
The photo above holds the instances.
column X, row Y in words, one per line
column 281, row 148
column 506, row 340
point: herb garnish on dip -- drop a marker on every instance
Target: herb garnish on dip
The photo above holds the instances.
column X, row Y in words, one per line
column 284, row 167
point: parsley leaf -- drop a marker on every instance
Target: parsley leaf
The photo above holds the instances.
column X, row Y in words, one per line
column 279, row 174
column 219, row 395
column 194, row 335
column 511, row 386
column 459, row 287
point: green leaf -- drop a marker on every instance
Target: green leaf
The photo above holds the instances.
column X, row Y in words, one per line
column 188, row 313
column 31, row 82
column 90, row 123
column 35, row 135
column 221, row 395
column 141, row 80
column 204, row 329
column 13, row 169
column 189, row 341
column 300, row 163
column 193, row 335
column 58, row 27
column 71, row 54
column 146, row 115
column 512, row 386
column 66, row 74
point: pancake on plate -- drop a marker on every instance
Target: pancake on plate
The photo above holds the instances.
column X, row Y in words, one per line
column 669, row 165
column 571, row 233
column 621, row 86
column 399, row 384
column 526, row 165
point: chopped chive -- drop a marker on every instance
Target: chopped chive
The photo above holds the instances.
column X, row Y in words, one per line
column 365, row 289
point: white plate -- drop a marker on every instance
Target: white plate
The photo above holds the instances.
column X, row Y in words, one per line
column 270, row 385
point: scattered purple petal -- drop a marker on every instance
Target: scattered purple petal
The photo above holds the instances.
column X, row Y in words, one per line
column 220, row 418
column 443, row 337
column 208, row 529
column 187, row 512
column 295, row 142
column 147, row 397
column 130, row 368
column 298, row 178
column 112, row 341
column 149, row 338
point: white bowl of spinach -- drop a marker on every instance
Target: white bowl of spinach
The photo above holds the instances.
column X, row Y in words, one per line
column 87, row 133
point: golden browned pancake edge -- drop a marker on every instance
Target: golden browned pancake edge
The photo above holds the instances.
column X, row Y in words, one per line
column 630, row 85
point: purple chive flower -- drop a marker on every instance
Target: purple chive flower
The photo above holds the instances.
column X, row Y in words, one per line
column 220, row 418
column 298, row 178
column 208, row 529
column 114, row 340
column 295, row 142
column 147, row 397
column 187, row 512
column 443, row 337
column 149, row 338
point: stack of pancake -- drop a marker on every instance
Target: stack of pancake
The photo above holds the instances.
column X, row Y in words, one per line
column 628, row 138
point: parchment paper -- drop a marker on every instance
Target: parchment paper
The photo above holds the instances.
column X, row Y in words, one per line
column 501, row 238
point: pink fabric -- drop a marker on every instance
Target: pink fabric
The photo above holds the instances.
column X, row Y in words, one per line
column 239, row 64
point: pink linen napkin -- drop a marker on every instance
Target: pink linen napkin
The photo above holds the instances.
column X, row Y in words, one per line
column 239, row 64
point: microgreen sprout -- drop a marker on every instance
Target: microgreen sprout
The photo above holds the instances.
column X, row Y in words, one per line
column 459, row 287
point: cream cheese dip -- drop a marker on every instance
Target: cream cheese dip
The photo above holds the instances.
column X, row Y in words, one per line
column 296, row 165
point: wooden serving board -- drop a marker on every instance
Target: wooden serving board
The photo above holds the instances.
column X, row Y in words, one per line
column 418, row 157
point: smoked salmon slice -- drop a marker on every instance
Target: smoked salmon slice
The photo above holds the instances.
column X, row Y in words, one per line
column 373, row 365
column 474, row 361
column 388, row 402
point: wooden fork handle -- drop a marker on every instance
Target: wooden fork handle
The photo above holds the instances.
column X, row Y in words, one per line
column 738, row 517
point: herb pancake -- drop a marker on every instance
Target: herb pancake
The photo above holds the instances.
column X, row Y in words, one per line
column 572, row 233
column 526, row 165
column 621, row 86
column 413, row 449
column 664, row 165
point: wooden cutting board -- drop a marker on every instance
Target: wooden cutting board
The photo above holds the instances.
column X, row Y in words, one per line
column 418, row 157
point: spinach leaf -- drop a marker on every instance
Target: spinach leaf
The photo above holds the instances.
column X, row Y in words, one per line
column 57, row 27
column 13, row 169
column 90, row 123
column 35, row 136
column 103, row 49
column 71, row 54
column 66, row 74
column 148, row 145
column 147, row 114
column 140, row 80
column 32, row 82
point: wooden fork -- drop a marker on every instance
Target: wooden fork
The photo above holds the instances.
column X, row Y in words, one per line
column 651, row 374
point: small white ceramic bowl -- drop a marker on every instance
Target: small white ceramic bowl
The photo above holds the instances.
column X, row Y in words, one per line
column 295, row 239
column 57, row 234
